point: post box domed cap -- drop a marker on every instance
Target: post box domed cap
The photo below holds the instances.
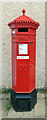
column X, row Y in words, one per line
column 24, row 19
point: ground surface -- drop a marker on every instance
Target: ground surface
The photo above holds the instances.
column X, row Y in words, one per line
column 39, row 110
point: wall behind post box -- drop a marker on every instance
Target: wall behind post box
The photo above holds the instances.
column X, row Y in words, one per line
column 11, row 10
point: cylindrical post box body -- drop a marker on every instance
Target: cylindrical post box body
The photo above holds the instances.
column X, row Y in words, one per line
column 23, row 60
column 23, row 34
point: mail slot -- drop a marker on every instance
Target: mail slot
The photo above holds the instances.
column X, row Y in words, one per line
column 23, row 91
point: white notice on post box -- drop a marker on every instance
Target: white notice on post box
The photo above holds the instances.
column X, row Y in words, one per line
column 22, row 57
column 23, row 48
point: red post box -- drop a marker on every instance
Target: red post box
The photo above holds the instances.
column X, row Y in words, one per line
column 23, row 33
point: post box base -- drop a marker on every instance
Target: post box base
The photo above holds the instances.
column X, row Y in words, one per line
column 23, row 101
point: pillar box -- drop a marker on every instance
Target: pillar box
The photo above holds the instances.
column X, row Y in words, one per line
column 23, row 34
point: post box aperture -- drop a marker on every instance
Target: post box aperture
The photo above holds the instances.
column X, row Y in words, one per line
column 23, row 33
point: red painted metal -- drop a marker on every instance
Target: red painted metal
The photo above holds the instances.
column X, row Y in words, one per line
column 23, row 70
column 23, row 19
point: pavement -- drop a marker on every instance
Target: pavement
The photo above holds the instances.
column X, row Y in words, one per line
column 39, row 110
